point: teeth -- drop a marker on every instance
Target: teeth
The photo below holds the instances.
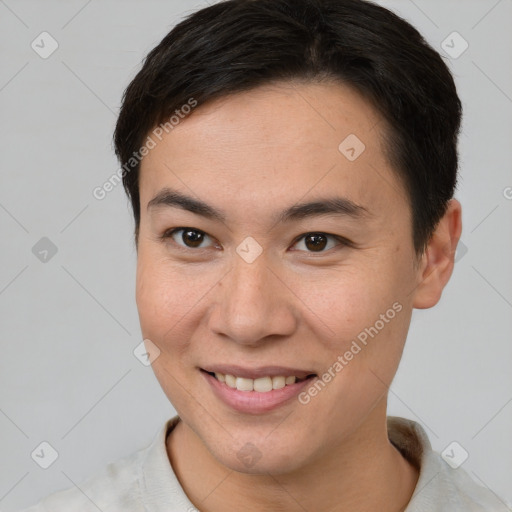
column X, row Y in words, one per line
column 279, row 382
column 244, row 384
column 261, row 385
column 231, row 381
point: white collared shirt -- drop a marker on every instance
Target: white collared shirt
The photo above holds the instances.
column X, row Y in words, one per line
column 145, row 481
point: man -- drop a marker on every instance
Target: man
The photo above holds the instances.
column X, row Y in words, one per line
column 291, row 166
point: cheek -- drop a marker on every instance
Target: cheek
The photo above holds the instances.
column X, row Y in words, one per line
column 162, row 303
column 162, row 297
column 348, row 301
column 170, row 299
column 367, row 309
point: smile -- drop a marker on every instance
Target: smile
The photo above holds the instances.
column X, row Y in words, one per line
column 256, row 395
column 260, row 385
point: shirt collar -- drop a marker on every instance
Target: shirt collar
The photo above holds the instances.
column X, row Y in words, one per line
column 160, row 488
column 439, row 487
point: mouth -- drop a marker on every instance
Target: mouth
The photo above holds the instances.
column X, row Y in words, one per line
column 261, row 384
column 256, row 391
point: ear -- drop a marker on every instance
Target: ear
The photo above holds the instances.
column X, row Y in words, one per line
column 436, row 264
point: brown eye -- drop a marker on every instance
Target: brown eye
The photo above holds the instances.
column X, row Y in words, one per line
column 192, row 238
column 318, row 242
column 315, row 242
column 189, row 238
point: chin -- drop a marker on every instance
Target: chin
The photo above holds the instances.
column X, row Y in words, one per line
column 260, row 455
column 253, row 462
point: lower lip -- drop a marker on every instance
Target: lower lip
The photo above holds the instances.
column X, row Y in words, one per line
column 254, row 402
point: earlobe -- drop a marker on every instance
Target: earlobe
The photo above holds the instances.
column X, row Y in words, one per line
column 437, row 262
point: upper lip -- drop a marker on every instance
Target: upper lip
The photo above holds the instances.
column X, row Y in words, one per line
column 260, row 371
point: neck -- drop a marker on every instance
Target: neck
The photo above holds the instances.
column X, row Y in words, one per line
column 364, row 472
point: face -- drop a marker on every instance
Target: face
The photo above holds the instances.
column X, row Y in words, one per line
column 243, row 279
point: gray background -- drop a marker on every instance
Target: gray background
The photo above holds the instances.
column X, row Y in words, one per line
column 69, row 325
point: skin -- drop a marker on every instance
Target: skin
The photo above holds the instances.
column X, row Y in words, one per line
column 251, row 155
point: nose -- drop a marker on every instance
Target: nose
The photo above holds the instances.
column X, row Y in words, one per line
column 254, row 304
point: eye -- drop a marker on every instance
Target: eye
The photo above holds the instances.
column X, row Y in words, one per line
column 317, row 242
column 190, row 238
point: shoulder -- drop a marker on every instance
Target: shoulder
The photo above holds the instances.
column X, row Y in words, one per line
column 440, row 487
column 455, row 490
column 139, row 482
column 113, row 488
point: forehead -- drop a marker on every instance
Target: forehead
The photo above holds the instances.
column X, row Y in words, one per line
column 276, row 143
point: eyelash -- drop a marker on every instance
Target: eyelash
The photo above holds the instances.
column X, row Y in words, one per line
column 170, row 232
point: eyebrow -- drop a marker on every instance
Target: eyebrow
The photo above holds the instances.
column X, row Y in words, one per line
column 333, row 206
